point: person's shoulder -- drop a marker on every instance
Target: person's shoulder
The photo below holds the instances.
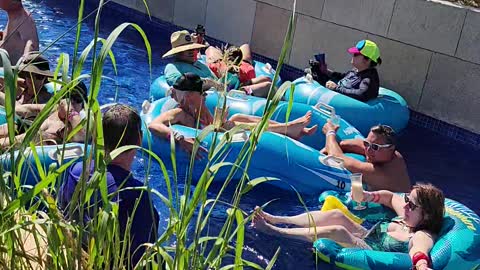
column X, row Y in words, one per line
column 423, row 236
column 76, row 170
column 369, row 73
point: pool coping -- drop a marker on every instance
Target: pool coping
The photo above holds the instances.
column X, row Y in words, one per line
column 288, row 72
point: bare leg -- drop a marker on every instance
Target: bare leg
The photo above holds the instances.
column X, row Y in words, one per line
column 3, row 130
column 261, row 79
column 247, row 53
column 314, row 218
column 260, row 89
column 337, row 233
column 294, row 129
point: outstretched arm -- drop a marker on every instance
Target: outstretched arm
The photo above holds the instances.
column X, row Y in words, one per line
column 373, row 175
column 159, row 126
column 352, row 146
column 387, row 198
column 5, row 142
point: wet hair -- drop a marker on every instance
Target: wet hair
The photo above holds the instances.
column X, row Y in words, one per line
column 386, row 132
column 121, row 126
column 235, row 57
column 432, row 202
column 79, row 94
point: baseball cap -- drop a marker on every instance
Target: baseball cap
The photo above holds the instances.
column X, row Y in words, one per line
column 189, row 82
column 366, row 48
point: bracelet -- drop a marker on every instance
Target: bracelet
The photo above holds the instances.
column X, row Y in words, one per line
column 418, row 266
column 418, row 256
column 331, row 132
column 373, row 196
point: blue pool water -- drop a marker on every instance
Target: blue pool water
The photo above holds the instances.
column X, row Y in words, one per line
column 430, row 157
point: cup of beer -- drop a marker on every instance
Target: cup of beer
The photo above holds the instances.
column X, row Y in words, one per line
column 357, row 190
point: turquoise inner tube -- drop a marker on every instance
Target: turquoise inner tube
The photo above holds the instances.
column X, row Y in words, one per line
column 238, row 102
column 303, row 167
column 49, row 155
column 159, row 87
column 388, row 108
column 458, row 245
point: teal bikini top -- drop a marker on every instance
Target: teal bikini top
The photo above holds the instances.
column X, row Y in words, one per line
column 379, row 239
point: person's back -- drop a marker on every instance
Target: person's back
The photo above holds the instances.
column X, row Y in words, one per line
column 122, row 126
column 173, row 71
column 20, row 35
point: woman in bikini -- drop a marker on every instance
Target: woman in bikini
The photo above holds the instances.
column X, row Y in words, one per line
column 414, row 231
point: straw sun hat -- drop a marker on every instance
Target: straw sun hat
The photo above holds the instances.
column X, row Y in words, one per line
column 35, row 63
column 182, row 41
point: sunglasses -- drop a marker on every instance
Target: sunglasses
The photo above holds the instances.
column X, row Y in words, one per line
column 410, row 204
column 356, row 54
column 376, row 147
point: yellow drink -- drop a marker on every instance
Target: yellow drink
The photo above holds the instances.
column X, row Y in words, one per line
column 357, row 191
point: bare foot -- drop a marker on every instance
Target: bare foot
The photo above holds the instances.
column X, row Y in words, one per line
column 296, row 128
column 268, row 217
column 260, row 224
column 310, row 131
column 324, row 151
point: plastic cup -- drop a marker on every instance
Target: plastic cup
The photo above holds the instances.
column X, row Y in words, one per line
column 335, row 119
column 357, row 190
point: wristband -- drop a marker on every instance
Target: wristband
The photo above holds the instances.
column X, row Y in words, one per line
column 418, row 256
column 373, row 196
column 331, row 132
column 176, row 136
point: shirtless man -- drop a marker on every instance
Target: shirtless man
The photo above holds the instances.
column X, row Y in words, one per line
column 384, row 168
column 20, row 35
column 32, row 77
column 187, row 91
column 58, row 124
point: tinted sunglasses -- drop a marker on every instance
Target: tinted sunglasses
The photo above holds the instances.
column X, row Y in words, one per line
column 376, row 147
column 356, row 54
column 410, row 204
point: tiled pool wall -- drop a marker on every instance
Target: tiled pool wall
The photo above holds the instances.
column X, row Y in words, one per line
column 290, row 73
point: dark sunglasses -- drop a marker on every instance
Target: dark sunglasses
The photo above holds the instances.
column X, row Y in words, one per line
column 376, row 147
column 356, row 54
column 410, row 204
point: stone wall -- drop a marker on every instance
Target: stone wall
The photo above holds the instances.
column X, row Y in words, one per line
column 430, row 49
